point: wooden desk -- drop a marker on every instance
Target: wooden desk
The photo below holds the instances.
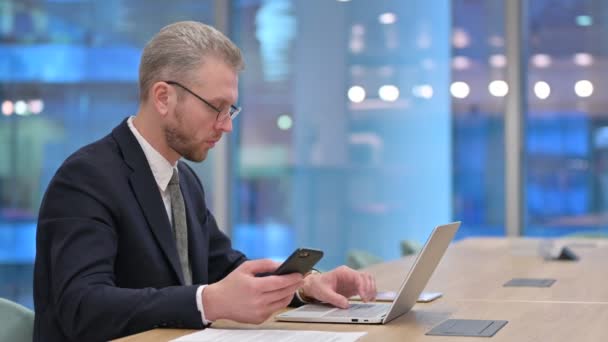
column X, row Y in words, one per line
column 528, row 321
column 477, row 269
column 471, row 276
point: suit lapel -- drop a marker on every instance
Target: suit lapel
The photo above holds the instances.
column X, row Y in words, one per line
column 148, row 195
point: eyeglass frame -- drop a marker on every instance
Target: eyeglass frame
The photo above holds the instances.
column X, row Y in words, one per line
column 233, row 110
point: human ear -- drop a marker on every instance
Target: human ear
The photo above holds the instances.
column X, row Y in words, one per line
column 162, row 97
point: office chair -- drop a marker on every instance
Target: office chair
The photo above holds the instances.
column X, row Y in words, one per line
column 16, row 322
column 409, row 247
column 357, row 259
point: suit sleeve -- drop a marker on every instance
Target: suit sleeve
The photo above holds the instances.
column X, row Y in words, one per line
column 223, row 254
column 223, row 259
column 78, row 237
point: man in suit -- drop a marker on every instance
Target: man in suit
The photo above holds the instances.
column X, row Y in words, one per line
column 125, row 242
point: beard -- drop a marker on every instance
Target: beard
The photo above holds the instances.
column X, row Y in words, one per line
column 181, row 142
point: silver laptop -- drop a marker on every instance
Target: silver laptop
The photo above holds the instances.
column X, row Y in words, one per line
column 381, row 313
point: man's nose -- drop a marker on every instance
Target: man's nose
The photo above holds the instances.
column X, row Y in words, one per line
column 225, row 126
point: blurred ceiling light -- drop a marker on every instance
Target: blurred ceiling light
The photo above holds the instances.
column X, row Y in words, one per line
column 35, row 106
column 542, row 90
column 343, row 0
column 498, row 88
column 461, row 63
column 460, row 90
column 388, row 93
column 7, row 107
column 541, row 60
column 583, row 59
column 498, row 61
column 20, row 108
column 387, row 18
column 583, row 88
column 584, row 20
column 391, row 39
column 496, row 41
column 284, row 122
column 424, row 91
column 460, row 38
column 356, row 45
column 356, row 94
column 357, row 30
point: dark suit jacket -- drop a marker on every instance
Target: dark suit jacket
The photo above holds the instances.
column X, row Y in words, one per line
column 106, row 261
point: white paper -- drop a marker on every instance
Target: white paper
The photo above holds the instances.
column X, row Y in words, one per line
column 236, row 335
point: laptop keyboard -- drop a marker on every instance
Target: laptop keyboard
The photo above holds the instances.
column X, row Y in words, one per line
column 360, row 310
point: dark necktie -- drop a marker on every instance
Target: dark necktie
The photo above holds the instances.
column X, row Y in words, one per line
column 180, row 227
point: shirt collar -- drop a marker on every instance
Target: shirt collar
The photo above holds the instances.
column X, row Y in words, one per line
column 161, row 168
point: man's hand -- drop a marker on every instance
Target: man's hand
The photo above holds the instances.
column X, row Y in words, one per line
column 243, row 297
column 336, row 286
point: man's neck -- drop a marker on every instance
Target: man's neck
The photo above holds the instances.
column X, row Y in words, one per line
column 153, row 133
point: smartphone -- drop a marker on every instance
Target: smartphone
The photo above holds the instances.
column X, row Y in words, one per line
column 302, row 260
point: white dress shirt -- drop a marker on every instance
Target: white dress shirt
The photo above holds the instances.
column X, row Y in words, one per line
column 162, row 171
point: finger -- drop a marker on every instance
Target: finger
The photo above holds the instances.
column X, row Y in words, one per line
column 370, row 288
column 329, row 296
column 259, row 266
column 362, row 286
column 288, row 279
column 366, row 290
column 281, row 303
column 374, row 287
column 274, row 283
column 273, row 296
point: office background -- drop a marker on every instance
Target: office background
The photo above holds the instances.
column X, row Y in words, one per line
column 364, row 124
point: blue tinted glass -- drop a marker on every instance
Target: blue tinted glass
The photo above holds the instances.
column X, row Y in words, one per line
column 68, row 75
column 346, row 143
column 566, row 153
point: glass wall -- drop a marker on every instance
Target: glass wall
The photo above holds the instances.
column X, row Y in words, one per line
column 68, row 75
column 567, row 126
column 345, row 140
column 315, row 162
column 478, row 104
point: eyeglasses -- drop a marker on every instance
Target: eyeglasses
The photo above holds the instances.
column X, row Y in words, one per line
column 222, row 115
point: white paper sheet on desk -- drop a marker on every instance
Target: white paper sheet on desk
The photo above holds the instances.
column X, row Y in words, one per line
column 244, row 335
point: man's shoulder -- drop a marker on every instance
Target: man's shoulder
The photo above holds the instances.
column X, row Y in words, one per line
column 100, row 153
column 103, row 152
column 93, row 171
column 99, row 162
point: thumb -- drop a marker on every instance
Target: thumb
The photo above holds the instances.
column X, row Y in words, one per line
column 330, row 296
column 259, row 266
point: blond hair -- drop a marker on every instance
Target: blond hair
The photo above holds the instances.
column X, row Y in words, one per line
column 180, row 48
